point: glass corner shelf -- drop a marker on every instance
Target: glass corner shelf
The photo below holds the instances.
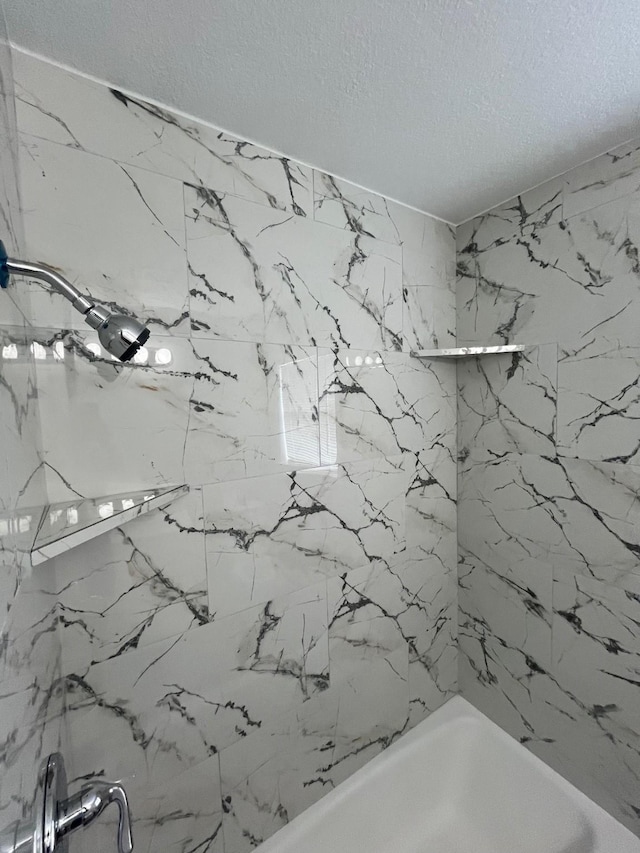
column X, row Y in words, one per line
column 466, row 352
column 43, row 532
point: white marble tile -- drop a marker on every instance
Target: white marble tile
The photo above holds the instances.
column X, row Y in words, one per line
column 431, row 621
column 17, row 684
column 215, row 411
column 608, row 177
column 428, row 289
column 377, row 610
column 19, row 420
column 344, row 205
column 583, row 515
column 392, row 654
column 509, row 685
column 599, row 401
column 581, row 740
column 29, row 641
column 511, row 600
column 409, row 599
column 364, row 709
column 184, row 813
column 129, row 422
column 10, row 216
column 165, row 707
column 23, row 751
column 12, row 226
column 115, row 231
column 600, row 518
column 430, row 687
column 253, row 410
column 431, row 523
column 549, row 545
column 271, row 776
column 596, row 644
column 498, row 291
column 428, row 317
column 373, row 710
column 508, row 402
column 28, row 702
column 138, row 584
column 428, row 569
column 523, row 215
column 343, row 480
column 271, row 535
column 264, row 275
column 565, row 283
column 31, row 698
column 375, row 403
column 601, row 758
column 254, row 806
column 15, row 305
column 371, row 611
column 66, row 108
column 10, row 570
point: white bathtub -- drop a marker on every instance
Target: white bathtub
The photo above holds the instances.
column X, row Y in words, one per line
column 454, row 784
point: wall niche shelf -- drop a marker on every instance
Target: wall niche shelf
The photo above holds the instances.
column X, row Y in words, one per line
column 466, row 352
column 43, row 532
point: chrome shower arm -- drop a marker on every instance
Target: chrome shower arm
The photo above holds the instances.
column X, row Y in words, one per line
column 48, row 274
column 120, row 334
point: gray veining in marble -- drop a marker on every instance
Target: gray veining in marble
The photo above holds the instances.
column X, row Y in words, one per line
column 250, row 646
column 549, row 514
column 247, row 648
column 31, row 700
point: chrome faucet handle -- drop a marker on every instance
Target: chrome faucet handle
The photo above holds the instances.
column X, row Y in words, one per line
column 112, row 793
column 84, row 807
column 55, row 815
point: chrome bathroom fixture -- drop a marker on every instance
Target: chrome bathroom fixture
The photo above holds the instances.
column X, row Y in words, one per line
column 55, row 815
column 120, row 335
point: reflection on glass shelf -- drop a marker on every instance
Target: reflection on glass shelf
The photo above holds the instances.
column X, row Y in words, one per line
column 54, row 352
column 45, row 532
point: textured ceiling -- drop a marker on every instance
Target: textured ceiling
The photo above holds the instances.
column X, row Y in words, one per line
column 448, row 105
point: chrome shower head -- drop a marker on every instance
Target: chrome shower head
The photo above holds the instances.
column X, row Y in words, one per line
column 120, row 335
column 123, row 336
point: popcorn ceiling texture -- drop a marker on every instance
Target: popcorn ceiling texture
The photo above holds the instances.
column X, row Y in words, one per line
column 451, row 106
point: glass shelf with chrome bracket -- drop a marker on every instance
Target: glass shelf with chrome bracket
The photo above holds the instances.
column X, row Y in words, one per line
column 466, row 352
column 42, row 532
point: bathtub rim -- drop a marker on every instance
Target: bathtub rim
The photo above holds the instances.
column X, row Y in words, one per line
column 609, row 834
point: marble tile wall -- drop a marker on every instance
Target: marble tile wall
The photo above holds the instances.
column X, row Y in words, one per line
column 235, row 656
column 30, row 698
column 549, row 477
